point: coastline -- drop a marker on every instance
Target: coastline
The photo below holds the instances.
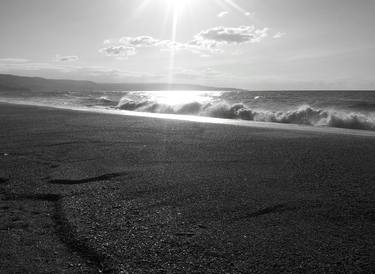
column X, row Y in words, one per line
column 115, row 193
column 201, row 119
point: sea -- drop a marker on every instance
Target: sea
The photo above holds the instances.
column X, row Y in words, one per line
column 324, row 109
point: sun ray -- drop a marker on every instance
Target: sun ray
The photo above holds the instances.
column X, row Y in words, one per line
column 174, row 11
column 173, row 50
column 176, row 8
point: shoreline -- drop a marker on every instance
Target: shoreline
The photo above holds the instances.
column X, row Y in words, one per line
column 84, row 192
column 202, row 119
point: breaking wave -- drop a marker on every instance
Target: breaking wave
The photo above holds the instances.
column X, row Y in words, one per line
column 302, row 115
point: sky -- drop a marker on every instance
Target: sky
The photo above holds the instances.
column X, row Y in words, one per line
column 251, row 44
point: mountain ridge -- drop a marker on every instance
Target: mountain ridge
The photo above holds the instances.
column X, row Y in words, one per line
column 10, row 82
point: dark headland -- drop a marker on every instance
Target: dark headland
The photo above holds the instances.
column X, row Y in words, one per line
column 19, row 84
column 93, row 193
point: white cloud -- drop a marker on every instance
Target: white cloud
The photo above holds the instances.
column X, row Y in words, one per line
column 222, row 14
column 127, row 45
column 148, row 42
column 139, row 41
column 118, row 51
column 229, row 35
column 279, row 35
column 71, row 58
column 205, row 43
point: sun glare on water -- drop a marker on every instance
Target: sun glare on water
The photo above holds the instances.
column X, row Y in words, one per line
column 174, row 98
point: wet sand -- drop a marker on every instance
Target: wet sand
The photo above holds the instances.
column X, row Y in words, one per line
column 87, row 192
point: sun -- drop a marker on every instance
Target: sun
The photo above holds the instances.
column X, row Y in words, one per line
column 178, row 5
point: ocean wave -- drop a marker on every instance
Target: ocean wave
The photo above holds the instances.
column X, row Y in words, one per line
column 105, row 101
column 302, row 115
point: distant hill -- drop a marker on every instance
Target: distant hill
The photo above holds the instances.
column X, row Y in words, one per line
column 19, row 83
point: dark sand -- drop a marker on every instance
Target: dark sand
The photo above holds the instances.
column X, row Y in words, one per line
column 84, row 192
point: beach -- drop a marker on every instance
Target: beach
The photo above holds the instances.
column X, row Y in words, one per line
column 89, row 192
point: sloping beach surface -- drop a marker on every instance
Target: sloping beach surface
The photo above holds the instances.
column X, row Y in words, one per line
column 88, row 192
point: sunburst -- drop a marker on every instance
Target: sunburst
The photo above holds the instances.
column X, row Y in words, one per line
column 176, row 9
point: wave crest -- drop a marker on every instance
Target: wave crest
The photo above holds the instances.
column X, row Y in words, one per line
column 302, row 115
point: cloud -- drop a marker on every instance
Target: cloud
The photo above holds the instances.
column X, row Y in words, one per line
column 148, row 42
column 139, row 41
column 118, row 51
column 279, row 35
column 222, row 14
column 204, row 43
column 71, row 58
column 128, row 45
column 229, row 35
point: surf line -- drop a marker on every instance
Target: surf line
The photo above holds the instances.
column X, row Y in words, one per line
column 202, row 119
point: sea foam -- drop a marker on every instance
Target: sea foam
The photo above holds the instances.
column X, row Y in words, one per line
column 301, row 115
